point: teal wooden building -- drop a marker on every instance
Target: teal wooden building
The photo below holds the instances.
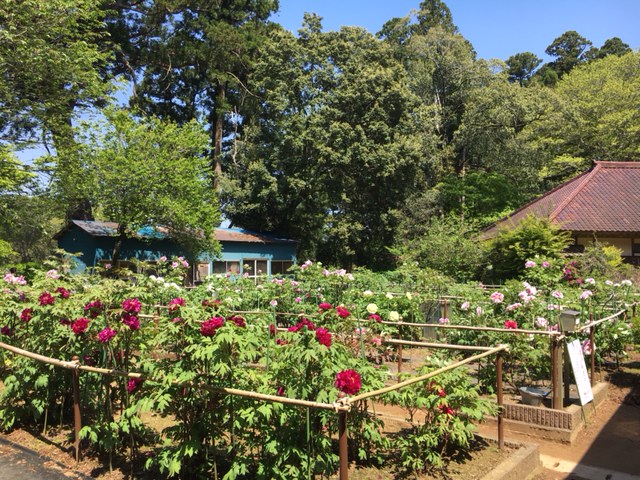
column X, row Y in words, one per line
column 242, row 252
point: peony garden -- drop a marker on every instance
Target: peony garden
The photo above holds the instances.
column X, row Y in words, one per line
column 281, row 378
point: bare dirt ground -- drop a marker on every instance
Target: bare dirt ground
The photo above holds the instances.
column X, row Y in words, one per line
column 608, row 448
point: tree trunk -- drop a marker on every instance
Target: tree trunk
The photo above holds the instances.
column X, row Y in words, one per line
column 117, row 246
column 217, row 132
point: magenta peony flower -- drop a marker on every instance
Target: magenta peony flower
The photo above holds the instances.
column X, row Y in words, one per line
column 94, row 308
column 176, row 303
column 323, row 336
column 376, row 317
column 106, row 334
column 46, row 298
column 25, row 315
column 343, row 312
column 209, row 327
column 131, row 305
column 324, row 306
column 80, row 325
column 131, row 321
column 133, row 384
column 511, row 324
column 348, row 381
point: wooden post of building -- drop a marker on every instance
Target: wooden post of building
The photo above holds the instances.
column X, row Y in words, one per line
column 500, row 400
column 77, row 419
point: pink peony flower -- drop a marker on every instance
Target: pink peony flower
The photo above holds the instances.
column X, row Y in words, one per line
column 465, row 306
column 323, row 336
column 545, row 264
column 529, row 264
column 443, row 320
column 587, row 347
column 557, row 294
column 211, row 326
column 52, row 274
column 497, row 297
column 513, row 306
column 541, row 322
column 585, row 294
column 348, row 381
column 106, row 334
column 377, row 341
column 478, row 311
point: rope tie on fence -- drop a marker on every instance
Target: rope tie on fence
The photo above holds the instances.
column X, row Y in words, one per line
column 342, row 404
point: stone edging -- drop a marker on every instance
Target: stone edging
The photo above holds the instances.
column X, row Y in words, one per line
column 523, row 464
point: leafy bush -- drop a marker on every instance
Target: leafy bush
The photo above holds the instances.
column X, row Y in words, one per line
column 514, row 246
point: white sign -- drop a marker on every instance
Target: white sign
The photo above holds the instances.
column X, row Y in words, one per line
column 580, row 371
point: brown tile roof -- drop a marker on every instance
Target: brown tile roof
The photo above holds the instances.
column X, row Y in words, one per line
column 240, row 235
column 604, row 199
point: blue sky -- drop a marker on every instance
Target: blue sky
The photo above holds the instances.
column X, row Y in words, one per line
column 496, row 28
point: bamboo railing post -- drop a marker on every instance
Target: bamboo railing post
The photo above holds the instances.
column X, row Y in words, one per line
column 500, row 400
column 343, row 445
column 399, row 350
column 592, row 335
column 77, row 419
column 556, row 374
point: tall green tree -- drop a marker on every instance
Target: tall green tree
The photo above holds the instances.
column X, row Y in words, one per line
column 142, row 171
column 333, row 155
column 569, row 50
column 193, row 60
column 51, row 66
column 595, row 114
column 521, row 67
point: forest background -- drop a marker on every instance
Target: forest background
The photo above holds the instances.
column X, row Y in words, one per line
column 370, row 149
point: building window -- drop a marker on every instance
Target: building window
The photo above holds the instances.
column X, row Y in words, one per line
column 280, row 267
column 222, row 268
column 635, row 249
column 256, row 268
column 201, row 272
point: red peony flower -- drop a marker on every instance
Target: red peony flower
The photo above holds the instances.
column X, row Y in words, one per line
column 442, row 393
column 272, row 329
column 238, row 320
column 376, row 317
column 348, row 381
column 324, row 306
column 323, row 336
column 510, row 324
column 46, row 298
column 209, row 327
column 6, row 331
column 25, row 315
column 280, row 391
column 343, row 312
column 446, row 409
column 80, row 325
column 63, row 292
column 301, row 324
column 131, row 305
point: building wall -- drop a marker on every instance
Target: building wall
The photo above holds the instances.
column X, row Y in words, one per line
column 625, row 244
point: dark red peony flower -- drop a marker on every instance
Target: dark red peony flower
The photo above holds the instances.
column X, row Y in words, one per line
column 80, row 325
column 209, row 327
column 25, row 315
column 131, row 321
column 63, row 292
column 46, row 298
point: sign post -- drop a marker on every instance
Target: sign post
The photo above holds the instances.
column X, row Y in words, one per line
column 580, row 372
